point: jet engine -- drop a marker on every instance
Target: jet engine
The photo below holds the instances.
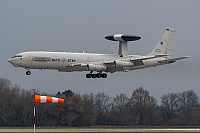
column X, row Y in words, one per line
column 118, row 63
column 128, row 64
column 93, row 67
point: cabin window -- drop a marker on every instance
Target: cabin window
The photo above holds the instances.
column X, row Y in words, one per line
column 44, row 59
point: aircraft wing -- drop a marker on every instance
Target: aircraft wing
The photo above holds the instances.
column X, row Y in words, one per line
column 173, row 59
column 148, row 57
column 109, row 63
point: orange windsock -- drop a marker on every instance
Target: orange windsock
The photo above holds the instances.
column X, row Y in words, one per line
column 47, row 99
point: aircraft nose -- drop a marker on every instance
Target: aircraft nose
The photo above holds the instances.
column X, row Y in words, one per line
column 10, row 60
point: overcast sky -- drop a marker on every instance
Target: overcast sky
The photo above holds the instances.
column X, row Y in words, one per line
column 77, row 25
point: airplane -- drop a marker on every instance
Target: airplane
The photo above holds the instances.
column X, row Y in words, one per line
column 101, row 64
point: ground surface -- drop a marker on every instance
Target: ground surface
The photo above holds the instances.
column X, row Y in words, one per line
column 5, row 130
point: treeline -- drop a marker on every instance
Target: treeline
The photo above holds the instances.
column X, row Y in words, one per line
column 141, row 109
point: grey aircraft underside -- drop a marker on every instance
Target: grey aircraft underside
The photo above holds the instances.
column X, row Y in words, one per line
column 100, row 63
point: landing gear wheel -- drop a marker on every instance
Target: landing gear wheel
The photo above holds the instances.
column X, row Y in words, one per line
column 94, row 75
column 28, row 73
column 88, row 75
column 104, row 75
column 99, row 75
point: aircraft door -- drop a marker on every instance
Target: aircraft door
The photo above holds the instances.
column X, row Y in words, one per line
column 64, row 63
column 29, row 57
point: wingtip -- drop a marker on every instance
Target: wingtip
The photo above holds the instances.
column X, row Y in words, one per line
column 187, row 56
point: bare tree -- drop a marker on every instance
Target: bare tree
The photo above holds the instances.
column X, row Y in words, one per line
column 169, row 106
column 102, row 107
column 141, row 106
column 119, row 112
column 187, row 102
column 88, row 111
column 5, row 85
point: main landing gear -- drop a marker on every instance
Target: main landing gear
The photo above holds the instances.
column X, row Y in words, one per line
column 28, row 72
column 98, row 75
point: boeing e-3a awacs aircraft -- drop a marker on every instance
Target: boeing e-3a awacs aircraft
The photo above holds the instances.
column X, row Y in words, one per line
column 100, row 63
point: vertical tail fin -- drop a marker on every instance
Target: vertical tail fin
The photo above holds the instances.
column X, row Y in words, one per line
column 164, row 46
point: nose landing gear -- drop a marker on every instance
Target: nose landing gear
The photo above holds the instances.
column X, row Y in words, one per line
column 28, row 73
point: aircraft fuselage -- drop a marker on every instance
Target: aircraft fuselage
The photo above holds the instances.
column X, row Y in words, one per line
column 68, row 62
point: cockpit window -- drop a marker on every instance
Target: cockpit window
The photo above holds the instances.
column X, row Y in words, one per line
column 16, row 56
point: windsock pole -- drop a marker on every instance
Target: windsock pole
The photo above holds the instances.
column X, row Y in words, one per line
column 34, row 116
column 43, row 99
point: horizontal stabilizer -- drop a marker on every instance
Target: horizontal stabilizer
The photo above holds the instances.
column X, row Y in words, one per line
column 173, row 59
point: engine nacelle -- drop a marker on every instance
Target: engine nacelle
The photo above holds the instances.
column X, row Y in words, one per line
column 92, row 67
column 118, row 63
column 128, row 64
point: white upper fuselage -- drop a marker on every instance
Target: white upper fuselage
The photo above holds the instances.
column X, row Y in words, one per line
column 67, row 61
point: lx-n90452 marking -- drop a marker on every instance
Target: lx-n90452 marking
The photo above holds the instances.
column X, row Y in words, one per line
column 100, row 63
